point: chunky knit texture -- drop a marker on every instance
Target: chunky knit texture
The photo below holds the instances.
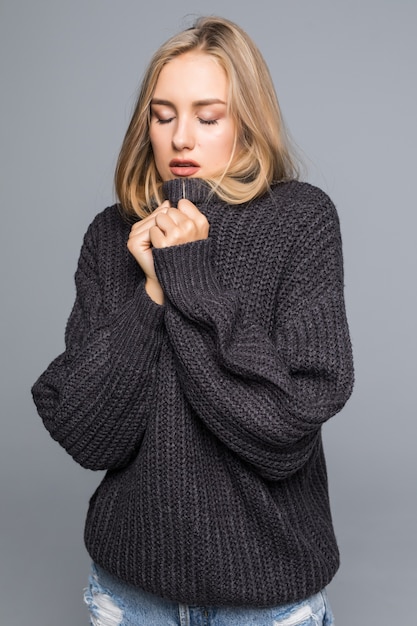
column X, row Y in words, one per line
column 207, row 411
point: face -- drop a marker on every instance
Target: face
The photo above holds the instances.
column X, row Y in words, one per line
column 191, row 132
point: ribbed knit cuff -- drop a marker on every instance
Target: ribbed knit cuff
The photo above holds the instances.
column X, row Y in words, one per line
column 187, row 277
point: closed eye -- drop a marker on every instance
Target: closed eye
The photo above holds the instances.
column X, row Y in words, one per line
column 163, row 121
column 208, row 122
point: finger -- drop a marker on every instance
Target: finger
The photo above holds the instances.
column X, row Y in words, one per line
column 142, row 225
column 141, row 230
column 163, row 208
column 157, row 237
column 149, row 220
column 165, row 222
column 188, row 208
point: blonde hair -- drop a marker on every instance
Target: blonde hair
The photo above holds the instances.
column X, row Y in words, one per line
column 262, row 154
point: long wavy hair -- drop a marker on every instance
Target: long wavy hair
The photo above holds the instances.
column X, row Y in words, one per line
column 262, row 152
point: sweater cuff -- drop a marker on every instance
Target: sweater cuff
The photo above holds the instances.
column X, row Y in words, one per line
column 187, row 276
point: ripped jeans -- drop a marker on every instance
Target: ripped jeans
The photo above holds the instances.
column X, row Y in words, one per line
column 112, row 602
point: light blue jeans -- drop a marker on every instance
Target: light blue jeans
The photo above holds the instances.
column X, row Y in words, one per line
column 114, row 603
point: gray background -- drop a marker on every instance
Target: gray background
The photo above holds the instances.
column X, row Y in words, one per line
column 345, row 76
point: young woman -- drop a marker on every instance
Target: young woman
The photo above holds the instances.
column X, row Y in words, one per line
column 207, row 345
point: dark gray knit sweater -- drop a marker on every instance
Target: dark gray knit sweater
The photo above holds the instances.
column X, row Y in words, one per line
column 207, row 411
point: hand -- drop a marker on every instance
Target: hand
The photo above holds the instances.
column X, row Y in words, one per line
column 139, row 243
column 174, row 227
column 165, row 226
column 140, row 246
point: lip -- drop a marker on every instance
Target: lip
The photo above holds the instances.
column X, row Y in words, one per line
column 183, row 167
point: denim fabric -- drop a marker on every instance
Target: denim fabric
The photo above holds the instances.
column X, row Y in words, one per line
column 113, row 603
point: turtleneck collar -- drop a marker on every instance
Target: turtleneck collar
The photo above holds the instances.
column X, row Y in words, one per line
column 196, row 190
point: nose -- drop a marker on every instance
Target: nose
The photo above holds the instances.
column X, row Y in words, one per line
column 183, row 137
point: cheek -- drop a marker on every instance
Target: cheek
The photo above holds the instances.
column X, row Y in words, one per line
column 158, row 150
column 220, row 142
column 225, row 143
column 156, row 139
column 153, row 139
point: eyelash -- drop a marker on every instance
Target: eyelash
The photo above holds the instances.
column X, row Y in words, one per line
column 205, row 122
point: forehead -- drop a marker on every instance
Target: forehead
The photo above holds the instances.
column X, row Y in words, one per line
column 193, row 75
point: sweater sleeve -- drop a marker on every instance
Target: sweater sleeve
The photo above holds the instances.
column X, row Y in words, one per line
column 94, row 398
column 263, row 396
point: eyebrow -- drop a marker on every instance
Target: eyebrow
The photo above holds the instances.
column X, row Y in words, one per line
column 196, row 103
